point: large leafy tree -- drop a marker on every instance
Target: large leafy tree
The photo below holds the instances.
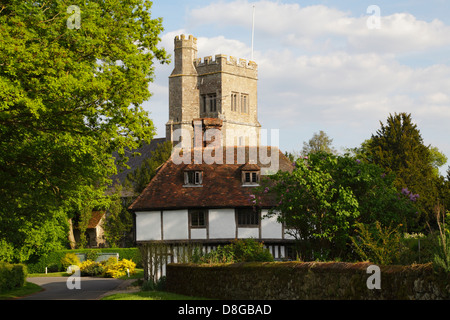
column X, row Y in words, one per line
column 73, row 77
column 320, row 142
column 326, row 196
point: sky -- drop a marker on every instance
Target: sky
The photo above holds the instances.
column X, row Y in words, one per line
column 337, row 66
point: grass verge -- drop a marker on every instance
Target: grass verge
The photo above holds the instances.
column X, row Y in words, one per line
column 28, row 289
column 150, row 295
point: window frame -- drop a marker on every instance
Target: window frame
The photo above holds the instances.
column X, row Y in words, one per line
column 212, row 98
column 244, row 103
column 192, row 214
column 253, row 175
column 248, row 217
column 234, row 101
column 193, row 178
column 204, row 102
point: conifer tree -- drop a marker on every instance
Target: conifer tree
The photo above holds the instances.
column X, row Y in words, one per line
column 398, row 147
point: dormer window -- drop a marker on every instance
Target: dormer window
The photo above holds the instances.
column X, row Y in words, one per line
column 193, row 178
column 250, row 175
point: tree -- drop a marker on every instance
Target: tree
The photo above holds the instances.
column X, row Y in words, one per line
column 320, row 142
column 398, row 148
column 119, row 220
column 73, row 81
column 438, row 159
column 141, row 177
column 326, row 196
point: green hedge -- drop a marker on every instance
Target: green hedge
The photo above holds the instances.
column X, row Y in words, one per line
column 12, row 276
column 53, row 260
column 296, row 280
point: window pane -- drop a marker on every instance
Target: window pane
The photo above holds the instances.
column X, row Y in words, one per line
column 198, row 218
column 248, row 217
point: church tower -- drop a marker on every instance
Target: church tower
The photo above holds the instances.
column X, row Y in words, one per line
column 218, row 94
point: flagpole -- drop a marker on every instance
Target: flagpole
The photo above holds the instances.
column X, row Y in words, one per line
column 253, row 29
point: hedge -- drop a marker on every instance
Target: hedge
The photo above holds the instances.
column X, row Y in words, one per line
column 53, row 260
column 306, row 281
column 12, row 276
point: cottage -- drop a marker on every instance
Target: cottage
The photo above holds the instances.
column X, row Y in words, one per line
column 203, row 194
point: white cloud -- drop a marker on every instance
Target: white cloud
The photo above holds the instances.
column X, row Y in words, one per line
column 323, row 69
column 316, row 26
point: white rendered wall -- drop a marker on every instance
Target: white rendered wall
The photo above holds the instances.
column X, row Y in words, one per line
column 222, row 224
column 198, row 233
column 148, row 225
column 175, row 225
column 248, row 233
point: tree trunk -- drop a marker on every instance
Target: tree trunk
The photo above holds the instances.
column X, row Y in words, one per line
column 71, row 236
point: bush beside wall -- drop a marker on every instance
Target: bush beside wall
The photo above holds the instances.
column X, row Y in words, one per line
column 12, row 276
column 305, row 281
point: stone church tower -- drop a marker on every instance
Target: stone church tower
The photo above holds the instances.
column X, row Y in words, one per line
column 218, row 94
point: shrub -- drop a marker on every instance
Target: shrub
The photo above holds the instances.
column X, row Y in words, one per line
column 56, row 256
column 442, row 250
column 119, row 269
column 12, row 276
column 381, row 245
column 247, row 250
column 243, row 250
column 91, row 268
column 159, row 285
column 68, row 260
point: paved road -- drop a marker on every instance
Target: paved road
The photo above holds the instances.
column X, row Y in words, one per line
column 55, row 288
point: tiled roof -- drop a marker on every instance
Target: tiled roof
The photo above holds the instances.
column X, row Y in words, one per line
column 94, row 221
column 221, row 185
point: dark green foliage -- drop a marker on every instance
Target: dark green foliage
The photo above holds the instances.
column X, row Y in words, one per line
column 119, row 221
column 159, row 285
column 12, row 276
column 398, row 148
column 141, row 177
column 242, row 250
column 326, row 195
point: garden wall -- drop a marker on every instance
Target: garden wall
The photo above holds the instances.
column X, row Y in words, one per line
column 305, row 281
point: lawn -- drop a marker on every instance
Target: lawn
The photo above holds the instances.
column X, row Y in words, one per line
column 150, row 295
column 28, row 289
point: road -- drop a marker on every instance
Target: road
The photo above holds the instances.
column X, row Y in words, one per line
column 56, row 288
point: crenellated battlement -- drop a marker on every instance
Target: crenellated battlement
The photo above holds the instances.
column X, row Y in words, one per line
column 183, row 41
column 218, row 87
column 222, row 59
